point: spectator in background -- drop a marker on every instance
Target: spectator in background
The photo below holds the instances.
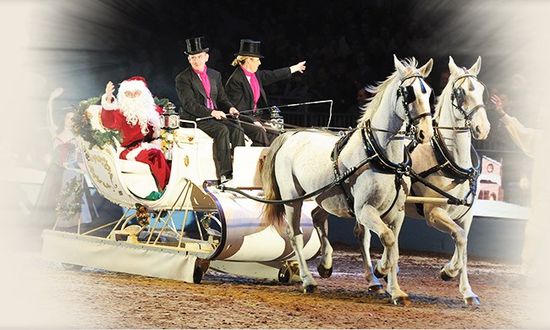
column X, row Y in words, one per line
column 61, row 198
column 525, row 138
column 531, row 142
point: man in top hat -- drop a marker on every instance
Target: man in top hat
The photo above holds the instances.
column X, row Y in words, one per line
column 202, row 95
column 136, row 116
column 245, row 89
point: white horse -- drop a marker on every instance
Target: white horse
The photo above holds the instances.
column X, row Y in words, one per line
column 447, row 164
column 300, row 163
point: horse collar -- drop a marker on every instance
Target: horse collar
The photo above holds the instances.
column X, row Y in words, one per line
column 448, row 165
column 374, row 151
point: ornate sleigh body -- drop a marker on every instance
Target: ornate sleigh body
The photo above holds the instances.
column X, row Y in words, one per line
column 191, row 228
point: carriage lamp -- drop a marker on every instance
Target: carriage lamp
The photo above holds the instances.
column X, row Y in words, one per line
column 276, row 120
column 170, row 118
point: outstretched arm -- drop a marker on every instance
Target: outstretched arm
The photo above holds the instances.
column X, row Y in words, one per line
column 525, row 138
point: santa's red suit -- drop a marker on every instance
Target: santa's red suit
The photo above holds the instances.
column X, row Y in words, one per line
column 137, row 128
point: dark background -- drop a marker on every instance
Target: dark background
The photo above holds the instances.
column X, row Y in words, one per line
column 347, row 44
column 80, row 45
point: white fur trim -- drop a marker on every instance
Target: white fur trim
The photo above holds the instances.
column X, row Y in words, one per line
column 108, row 105
column 132, row 85
column 132, row 154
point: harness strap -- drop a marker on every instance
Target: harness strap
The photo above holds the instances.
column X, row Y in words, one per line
column 432, row 170
column 381, row 163
column 338, row 147
column 443, row 156
column 451, row 199
column 398, row 184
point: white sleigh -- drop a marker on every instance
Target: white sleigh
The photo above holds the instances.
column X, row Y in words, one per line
column 231, row 235
column 126, row 182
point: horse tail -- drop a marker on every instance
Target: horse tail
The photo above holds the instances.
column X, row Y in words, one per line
column 273, row 214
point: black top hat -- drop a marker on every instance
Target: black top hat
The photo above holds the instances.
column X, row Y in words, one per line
column 195, row 46
column 249, row 48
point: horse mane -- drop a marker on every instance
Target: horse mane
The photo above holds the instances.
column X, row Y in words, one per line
column 378, row 90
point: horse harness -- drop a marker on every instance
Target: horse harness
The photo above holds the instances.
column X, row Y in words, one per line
column 445, row 163
column 450, row 169
column 375, row 158
column 375, row 155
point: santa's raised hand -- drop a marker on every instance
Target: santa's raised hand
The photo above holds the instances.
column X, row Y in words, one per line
column 109, row 90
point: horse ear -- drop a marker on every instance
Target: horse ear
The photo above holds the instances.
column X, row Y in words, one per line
column 427, row 68
column 399, row 66
column 476, row 67
column 455, row 71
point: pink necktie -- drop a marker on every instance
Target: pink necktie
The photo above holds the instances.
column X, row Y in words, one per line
column 206, row 84
column 255, row 86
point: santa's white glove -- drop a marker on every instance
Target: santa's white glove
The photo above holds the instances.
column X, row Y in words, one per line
column 108, row 101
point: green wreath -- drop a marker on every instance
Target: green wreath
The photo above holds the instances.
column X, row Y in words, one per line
column 83, row 128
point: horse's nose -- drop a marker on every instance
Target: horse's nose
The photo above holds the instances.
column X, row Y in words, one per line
column 421, row 136
column 477, row 129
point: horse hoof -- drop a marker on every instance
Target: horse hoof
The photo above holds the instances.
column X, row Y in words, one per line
column 376, row 289
column 197, row 275
column 380, row 275
column 472, row 301
column 284, row 275
column 402, row 301
column 324, row 272
column 444, row 276
column 309, row 288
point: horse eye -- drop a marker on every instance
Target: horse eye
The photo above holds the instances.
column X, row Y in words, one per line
column 422, row 87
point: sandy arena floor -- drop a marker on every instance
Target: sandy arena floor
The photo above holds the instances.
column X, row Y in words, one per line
column 114, row 300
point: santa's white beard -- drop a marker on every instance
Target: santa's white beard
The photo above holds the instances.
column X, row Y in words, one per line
column 140, row 110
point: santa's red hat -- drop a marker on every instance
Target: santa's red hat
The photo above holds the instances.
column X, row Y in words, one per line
column 137, row 78
column 133, row 83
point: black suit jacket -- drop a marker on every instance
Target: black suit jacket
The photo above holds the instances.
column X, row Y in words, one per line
column 239, row 90
column 193, row 97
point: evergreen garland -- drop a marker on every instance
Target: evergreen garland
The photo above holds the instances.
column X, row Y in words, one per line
column 83, row 128
column 162, row 102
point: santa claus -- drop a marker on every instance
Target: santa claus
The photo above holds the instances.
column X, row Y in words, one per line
column 136, row 116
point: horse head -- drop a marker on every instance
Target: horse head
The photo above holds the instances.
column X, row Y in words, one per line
column 467, row 99
column 414, row 94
